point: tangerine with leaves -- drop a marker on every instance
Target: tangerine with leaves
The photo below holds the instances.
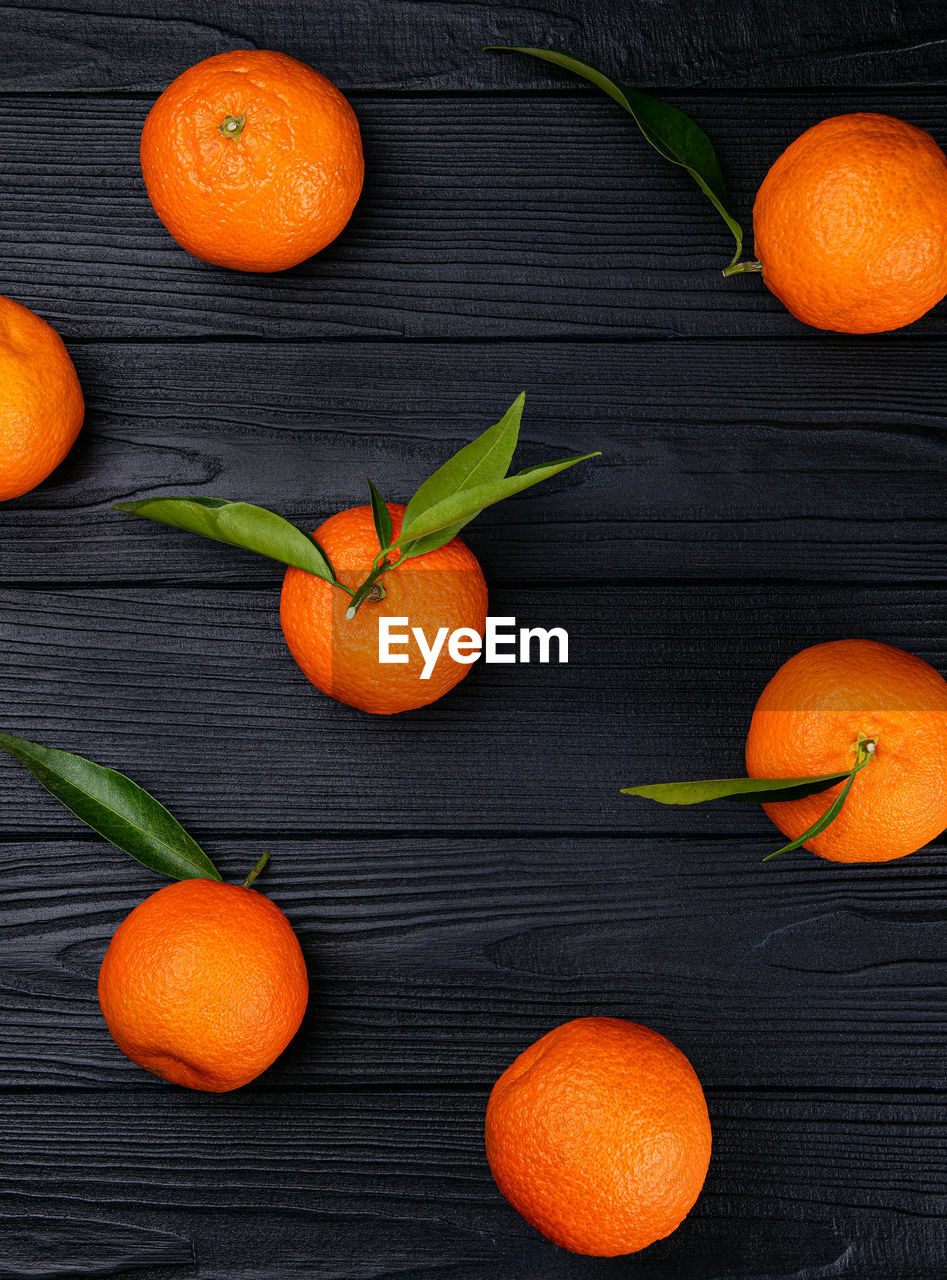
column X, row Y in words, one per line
column 204, row 983
column 41, row 404
column 844, row 753
column 377, row 561
column 598, row 1134
column 809, row 719
column 849, row 224
column 252, row 160
column 339, row 655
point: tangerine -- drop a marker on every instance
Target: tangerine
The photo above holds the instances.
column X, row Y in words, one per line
column 808, row 721
column 41, row 405
column 442, row 588
column 850, row 224
column 252, row 160
column 598, row 1134
column 204, row 984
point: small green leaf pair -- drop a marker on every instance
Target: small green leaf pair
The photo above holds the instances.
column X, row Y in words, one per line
column 473, row 479
column 674, row 135
column 764, row 791
column 121, row 811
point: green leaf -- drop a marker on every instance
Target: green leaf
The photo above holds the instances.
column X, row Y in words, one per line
column 117, row 809
column 485, row 459
column 239, row 524
column 745, row 790
column 831, row 813
column 456, row 511
column 863, row 756
column 673, row 134
column 381, row 516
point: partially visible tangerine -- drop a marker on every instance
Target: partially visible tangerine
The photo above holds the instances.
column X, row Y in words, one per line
column 443, row 588
column 41, row 404
column 850, row 224
column 808, row 721
column 598, row 1134
column 252, row 160
column 204, row 984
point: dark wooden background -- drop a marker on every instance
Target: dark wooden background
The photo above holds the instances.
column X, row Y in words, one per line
column 466, row 877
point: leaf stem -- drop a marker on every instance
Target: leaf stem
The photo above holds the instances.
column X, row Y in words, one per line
column 735, row 268
column 256, row 871
column 371, row 584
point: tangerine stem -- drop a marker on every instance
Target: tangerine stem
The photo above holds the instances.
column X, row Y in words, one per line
column 365, row 590
column 256, row 871
column 371, row 588
column 232, row 126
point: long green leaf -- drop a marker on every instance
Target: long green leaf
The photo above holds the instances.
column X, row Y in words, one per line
column 381, row 517
column 862, row 758
column 239, row 524
column 460, row 509
column 831, row 813
column 117, row 808
column 746, row 790
column 484, row 460
column 673, row 134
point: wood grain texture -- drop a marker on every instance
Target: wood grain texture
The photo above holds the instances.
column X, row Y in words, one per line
column 400, row 43
column 373, row 1187
column 434, row 959
column 535, row 216
column 718, row 459
column 193, row 691
column 47, row 1247
column 465, row 877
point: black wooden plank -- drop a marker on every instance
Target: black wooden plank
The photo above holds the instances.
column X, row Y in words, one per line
column 431, row 958
column 720, row 460
column 524, row 216
column 39, row 1246
column 396, row 43
column 193, row 692
column 384, row 1186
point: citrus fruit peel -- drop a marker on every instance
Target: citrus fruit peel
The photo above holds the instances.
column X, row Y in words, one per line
column 476, row 477
column 765, row 791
